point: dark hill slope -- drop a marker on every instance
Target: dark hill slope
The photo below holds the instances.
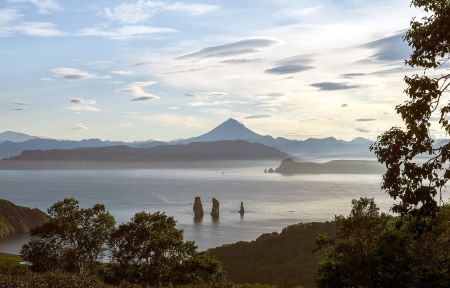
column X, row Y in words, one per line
column 202, row 151
column 285, row 259
column 17, row 219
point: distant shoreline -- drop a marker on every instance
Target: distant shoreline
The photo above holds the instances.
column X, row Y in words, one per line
column 291, row 167
column 90, row 165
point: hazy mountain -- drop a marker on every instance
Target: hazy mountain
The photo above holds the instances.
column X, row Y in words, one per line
column 289, row 166
column 14, row 136
column 228, row 130
column 8, row 148
column 200, row 151
column 234, row 130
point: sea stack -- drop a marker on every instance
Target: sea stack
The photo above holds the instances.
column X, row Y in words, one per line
column 241, row 210
column 215, row 208
column 198, row 207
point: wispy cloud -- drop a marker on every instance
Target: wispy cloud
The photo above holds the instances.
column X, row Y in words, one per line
column 123, row 72
column 387, row 49
column 206, row 95
column 191, row 70
column 43, row 6
column 21, row 104
column 80, row 127
column 211, row 98
column 7, row 16
column 241, row 60
column 79, row 104
column 352, row 75
column 258, row 116
column 9, row 25
column 72, row 73
column 333, row 86
column 143, row 10
column 38, row 29
column 246, row 46
column 123, row 32
column 292, row 65
column 365, row 119
column 136, row 89
column 362, row 130
column 214, row 103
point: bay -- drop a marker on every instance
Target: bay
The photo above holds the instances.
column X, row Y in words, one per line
column 271, row 201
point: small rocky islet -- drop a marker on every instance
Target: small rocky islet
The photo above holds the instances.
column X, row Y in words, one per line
column 215, row 211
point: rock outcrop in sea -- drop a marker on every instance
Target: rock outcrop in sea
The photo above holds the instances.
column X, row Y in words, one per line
column 215, row 208
column 241, row 210
column 198, row 207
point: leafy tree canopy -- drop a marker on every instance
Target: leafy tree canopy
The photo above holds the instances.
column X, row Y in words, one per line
column 73, row 239
column 417, row 166
column 150, row 249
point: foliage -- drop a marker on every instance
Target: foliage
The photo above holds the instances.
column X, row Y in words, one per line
column 376, row 250
column 73, row 239
column 417, row 182
column 285, row 259
column 150, row 249
column 24, row 278
column 8, row 260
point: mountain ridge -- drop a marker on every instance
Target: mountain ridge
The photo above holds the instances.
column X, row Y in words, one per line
column 230, row 129
column 192, row 152
column 14, row 136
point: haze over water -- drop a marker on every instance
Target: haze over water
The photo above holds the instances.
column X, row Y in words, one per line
column 271, row 201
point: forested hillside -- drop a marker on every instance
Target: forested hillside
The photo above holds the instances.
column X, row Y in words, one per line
column 286, row 259
column 17, row 219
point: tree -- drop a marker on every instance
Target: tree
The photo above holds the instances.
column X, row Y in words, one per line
column 73, row 239
column 417, row 166
column 151, row 250
column 377, row 250
column 350, row 261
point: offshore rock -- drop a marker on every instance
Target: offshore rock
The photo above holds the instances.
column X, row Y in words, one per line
column 198, row 208
column 215, row 208
column 241, row 210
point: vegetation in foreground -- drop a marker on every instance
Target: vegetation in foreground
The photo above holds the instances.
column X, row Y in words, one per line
column 373, row 249
column 285, row 259
column 17, row 219
column 148, row 250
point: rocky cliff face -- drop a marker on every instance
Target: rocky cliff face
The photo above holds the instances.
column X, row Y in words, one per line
column 17, row 219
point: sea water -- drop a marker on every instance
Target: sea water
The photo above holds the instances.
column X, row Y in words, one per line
column 271, row 201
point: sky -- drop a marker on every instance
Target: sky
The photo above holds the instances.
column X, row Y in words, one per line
column 163, row 70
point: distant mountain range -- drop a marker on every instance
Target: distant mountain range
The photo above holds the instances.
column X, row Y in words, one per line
column 14, row 136
column 234, row 130
column 228, row 130
column 8, row 148
column 102, row 157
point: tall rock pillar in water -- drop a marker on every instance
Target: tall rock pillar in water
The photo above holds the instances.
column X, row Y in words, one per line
column 198, row 208
column 241, row 210
column 215, row 208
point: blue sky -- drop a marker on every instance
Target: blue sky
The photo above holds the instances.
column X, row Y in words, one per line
column 136, row 70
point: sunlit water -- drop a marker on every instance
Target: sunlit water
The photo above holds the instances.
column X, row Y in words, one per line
column 271, row 201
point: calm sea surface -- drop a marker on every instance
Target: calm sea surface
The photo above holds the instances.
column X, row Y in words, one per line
column 271, row 201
